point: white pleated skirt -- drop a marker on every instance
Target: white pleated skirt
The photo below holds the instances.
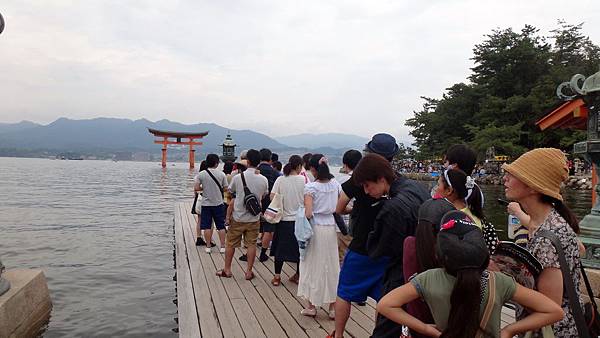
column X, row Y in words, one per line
column 320, row 269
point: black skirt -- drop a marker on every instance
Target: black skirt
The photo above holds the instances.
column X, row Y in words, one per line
column 285, row 246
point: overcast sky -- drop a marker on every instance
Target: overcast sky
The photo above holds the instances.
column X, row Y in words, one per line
column 276, row 66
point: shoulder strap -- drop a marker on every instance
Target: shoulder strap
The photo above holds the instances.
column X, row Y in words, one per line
column 215, row 179
column 576, row 310
column 244, row 181
column 490, row 303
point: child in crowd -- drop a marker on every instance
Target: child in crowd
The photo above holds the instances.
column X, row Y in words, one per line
column 464, row 284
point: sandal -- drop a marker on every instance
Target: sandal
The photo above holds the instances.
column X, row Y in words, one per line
column 294, row 278
column 309, row 312
column 249, row 276
column 222, row 273
column 276, row 281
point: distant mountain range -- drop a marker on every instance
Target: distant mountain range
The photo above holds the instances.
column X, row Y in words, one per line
column 113, row 134
column 330, row 140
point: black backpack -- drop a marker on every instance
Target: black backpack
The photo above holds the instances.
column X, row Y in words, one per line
column 250, row 200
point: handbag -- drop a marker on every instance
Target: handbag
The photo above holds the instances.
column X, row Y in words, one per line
column 194, row 205
column 592, row 318
column 576, row 311
column 303, row 231
column 274, row 211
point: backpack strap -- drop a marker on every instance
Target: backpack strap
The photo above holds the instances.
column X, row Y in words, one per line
column 568, row 286
column 489, row 307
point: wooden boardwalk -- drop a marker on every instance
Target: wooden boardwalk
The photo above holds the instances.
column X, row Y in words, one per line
column 210, row 306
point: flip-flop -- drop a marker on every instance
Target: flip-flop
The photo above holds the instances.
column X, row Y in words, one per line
column 222, row 273
column 250, row 276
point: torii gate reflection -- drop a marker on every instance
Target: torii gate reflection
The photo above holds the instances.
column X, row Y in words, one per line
column 178, row 136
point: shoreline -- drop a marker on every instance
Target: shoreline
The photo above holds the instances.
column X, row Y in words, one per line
column 576, row 182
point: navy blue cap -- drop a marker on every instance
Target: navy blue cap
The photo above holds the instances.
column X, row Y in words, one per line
column 383, row 144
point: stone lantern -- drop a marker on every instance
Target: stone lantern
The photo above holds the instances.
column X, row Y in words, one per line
column 588, row 89
column 228, row 149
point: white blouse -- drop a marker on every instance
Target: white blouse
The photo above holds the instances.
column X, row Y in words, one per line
column 325, row 196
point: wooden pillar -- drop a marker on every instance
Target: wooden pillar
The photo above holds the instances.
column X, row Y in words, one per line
column 192, row 151
column 164, row 152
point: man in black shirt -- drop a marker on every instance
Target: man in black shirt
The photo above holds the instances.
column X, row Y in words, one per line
column 266, row 228
column 361, row 276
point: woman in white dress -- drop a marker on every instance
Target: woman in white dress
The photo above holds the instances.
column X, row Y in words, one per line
column 320, row 268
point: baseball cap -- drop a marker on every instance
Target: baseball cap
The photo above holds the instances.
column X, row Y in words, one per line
column 460, row 243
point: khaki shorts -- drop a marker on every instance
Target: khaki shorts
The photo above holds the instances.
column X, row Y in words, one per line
column 249, row 230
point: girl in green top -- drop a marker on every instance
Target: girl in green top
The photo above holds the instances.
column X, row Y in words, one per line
column 457, row 294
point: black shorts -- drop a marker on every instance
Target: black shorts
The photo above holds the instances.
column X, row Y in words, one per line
column 266, row 226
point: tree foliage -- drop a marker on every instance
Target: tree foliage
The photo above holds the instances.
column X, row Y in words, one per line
column 512, row 85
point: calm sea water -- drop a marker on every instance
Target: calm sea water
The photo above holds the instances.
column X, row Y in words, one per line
column 103, row 234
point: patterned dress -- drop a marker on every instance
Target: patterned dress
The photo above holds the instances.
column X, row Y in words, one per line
column 544, row 251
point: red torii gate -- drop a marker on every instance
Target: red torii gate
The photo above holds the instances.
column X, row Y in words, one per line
column 178, row 136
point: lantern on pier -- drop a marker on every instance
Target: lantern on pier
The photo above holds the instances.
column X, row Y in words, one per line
column 228, row 149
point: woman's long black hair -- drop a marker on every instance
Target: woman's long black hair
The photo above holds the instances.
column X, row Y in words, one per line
column 564, row 211
column 426, row 236
column 321, row 167
column 465, row 303
column 458, row 181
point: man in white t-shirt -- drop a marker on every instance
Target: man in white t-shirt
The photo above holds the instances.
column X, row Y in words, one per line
column 242, row 224
column 212, row 183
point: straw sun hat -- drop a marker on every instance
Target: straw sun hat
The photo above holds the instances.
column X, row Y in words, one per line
column 542, row 169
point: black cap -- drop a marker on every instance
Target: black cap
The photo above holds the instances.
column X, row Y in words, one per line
column 460, row 243
column 433, row 210
column 383, row 144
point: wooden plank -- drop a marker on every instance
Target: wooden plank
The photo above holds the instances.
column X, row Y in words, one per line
column 186, row 306
column 352, row 327
column 230, row 326
column 357, row 324
column 267, row 305
column 209, row 324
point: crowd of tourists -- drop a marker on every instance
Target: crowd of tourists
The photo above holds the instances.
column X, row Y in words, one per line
column 424, row 256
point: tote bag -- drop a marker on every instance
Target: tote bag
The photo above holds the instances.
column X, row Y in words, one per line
column 274, row 211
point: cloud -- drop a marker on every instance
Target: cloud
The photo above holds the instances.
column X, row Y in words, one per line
column 279, row 67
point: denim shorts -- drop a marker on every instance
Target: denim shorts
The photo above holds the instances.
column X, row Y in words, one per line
column 208, row 214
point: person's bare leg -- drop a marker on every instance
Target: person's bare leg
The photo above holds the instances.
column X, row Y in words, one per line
column 198, row 230
column 228, row 258
column 208, row 237
column 266, row 239
column 342, row 313
column 222, row 238
column 251, row 254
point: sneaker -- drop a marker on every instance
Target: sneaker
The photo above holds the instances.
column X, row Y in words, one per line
column 263, row 257
column 207, row 250
column 200, row 241
column 222, row 250
column 243, row 258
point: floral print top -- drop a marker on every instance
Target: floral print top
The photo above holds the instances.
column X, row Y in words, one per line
column 544, row 251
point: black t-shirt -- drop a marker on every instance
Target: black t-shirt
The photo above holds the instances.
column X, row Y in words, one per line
column 363, row 215
column 267, row 171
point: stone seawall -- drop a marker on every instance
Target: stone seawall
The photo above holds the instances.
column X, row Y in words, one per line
column 573, row 182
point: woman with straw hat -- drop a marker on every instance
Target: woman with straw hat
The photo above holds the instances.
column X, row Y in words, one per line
column 534, row 180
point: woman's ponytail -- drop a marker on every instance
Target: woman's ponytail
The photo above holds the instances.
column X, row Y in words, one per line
column 564, row 211
column 465, row 303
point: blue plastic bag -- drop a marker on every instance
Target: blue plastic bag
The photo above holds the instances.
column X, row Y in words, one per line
column 303, row 231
